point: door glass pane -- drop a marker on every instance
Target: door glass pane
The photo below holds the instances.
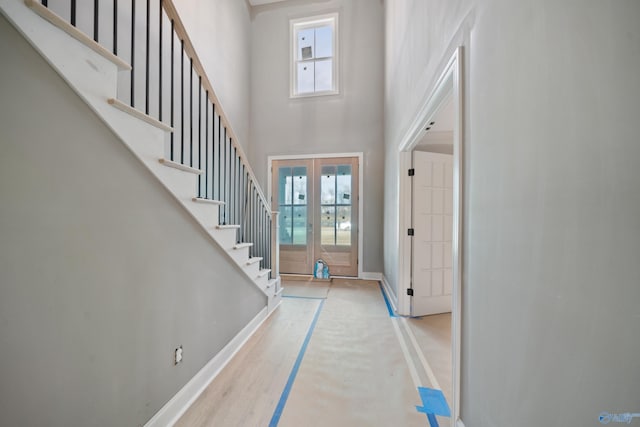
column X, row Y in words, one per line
column 344, row 184
column 300, row 225
column 284, row 186
column 328, row 225
column 292, row 197
column 328, row 185
column 286, row 231
column 300, row 186
column 343, row 220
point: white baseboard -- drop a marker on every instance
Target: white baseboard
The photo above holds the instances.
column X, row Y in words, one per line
column 371, row 276
column 459, row 423
column 169, row 414
column 391, row 296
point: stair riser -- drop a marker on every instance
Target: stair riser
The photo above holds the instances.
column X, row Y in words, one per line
column 239, row 255
column 252, row 270
column 225, row 237
column 262, row 281
column 205, row 213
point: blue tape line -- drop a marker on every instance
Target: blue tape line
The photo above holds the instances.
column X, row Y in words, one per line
column 287, row 388
column 298, row 297
column 386, row 301
column 432, row 420
column 433, row 402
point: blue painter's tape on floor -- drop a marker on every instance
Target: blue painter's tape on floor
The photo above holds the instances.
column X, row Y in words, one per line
column 433, row 402
column 275, row 419
column 386, row 301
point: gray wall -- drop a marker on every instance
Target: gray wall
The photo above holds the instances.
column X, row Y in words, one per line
column 102, row 272
column 221, row 33
column 552, row 226
column 349, row 122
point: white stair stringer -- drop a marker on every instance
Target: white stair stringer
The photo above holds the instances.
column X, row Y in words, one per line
column 94, row 79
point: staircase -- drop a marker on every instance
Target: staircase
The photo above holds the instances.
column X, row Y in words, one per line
column 153, row 93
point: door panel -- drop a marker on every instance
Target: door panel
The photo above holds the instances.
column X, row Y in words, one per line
column 432, row 217
column 318, row 204
column 292, row 196
column 336, row 218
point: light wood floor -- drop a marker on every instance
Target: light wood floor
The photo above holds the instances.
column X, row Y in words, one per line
column 353, row 373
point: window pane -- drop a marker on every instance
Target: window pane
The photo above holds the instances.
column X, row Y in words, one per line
column 324, row 42
column 299, row 186
column 300, row 225
column 305, row 77
column 344, row 185
column 328, row 226
column 284, row 186
column 286, row 232
column 305, row 43
column 324, row 75
column 328, row 185
column 343, row 220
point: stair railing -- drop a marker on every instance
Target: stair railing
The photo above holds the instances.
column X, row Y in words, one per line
column 168, row 82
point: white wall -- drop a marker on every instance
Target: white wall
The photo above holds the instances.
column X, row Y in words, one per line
column 221, row 33
column 552, row 201
column 102, row 272
column 349, row 122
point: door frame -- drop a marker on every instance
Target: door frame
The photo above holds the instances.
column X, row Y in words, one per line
column 449, row 84
column 359, row 156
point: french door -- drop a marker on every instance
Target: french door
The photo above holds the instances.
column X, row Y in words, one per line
column 318, row 204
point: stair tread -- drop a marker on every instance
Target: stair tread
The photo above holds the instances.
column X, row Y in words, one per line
column 138, row 114
column 180, row 166
column 254, row 260
column 242, row 245
column 227, row 226
column 210, row 201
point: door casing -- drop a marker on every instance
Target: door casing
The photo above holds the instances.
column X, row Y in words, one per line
column 359, row 156
column 448, row 84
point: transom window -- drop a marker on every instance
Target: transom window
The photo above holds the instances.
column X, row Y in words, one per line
column 314, row 62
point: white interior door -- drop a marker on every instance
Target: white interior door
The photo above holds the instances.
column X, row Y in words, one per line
column 432, row 217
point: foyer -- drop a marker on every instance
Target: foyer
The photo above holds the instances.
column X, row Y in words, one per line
column 351, row 369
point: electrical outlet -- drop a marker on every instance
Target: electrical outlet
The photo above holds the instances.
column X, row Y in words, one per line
column 177, row 357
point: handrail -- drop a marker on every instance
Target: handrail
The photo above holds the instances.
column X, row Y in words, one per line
column 180, row 29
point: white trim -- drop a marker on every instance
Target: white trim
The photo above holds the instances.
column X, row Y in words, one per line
column 360, row 156
column 459, row 423
column 391, row 296
column 423, row 360
column 448, row 86
column 366, row 275
column 169, row 414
